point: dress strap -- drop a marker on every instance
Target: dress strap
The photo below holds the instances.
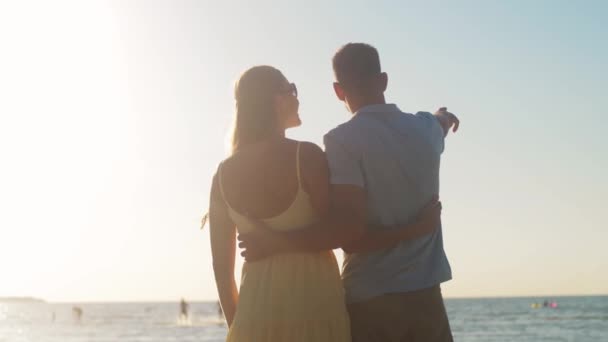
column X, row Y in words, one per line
column 298, row 164
column 219, row 179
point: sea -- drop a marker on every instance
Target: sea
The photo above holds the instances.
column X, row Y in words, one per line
column 580, row 319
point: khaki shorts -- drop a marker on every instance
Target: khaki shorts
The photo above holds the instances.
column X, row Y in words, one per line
column 417, row 316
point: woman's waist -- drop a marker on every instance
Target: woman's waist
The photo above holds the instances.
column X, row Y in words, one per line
column 302, row 277
column 293, row 267
column 310, row 259
column 280, row 224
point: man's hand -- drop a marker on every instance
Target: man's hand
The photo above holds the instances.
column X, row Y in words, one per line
column 261, row 243
column 447, row 120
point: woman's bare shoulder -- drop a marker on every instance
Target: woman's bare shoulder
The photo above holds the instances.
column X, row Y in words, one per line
column 311, row 150
column 312, row 159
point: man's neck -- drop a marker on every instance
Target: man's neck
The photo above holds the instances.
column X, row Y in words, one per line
column 367, row 102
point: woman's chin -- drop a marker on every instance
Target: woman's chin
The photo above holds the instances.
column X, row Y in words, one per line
column 295, row 123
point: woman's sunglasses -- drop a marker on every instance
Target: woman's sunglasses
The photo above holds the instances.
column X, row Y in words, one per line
column 292, row 89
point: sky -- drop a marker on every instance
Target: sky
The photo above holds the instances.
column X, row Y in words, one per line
column 114, row 116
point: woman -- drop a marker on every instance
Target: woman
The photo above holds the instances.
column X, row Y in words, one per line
column 285, row 184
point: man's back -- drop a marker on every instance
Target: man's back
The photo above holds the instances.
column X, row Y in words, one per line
column 395, row 157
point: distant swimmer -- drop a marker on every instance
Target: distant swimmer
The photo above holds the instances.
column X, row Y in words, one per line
column 544, row 304
column 77, row 314
column 183, row 309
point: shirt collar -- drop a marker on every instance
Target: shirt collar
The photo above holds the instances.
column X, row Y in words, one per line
column 379, row 108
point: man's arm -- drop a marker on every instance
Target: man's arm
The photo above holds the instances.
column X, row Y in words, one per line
column 344, row 223
column 428, row 220
column 343, row 228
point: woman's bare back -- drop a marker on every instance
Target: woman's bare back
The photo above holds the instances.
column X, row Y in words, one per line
column 262, row 180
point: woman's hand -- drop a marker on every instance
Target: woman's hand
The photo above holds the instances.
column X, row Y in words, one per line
column 429, row 218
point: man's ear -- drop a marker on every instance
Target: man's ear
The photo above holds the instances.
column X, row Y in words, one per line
column 339, row 91
column 383, row 79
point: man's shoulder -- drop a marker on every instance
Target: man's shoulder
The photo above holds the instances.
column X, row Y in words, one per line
column 338, row 131
column 426, row 116
column 347, row 130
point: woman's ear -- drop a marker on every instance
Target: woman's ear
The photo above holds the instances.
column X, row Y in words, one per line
column 279, row 107
column 277, row 104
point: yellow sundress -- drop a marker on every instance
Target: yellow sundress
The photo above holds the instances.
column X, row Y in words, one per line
column 289, row 297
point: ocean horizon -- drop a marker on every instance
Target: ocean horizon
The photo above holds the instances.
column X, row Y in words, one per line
column 529, row 318
column 93, row 301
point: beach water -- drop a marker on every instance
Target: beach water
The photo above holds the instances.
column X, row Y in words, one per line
column 576, row 319
column 579, row 319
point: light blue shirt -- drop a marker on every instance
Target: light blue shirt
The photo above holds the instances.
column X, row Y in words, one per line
column 395, row 157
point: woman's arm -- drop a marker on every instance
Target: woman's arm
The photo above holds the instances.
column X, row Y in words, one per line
column 378, row 238
column 223, row 249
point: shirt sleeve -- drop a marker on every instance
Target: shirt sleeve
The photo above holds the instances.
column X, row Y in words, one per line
column 434, row 129
column 344, row 165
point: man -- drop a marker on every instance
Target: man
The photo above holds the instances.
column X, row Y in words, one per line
column 183, row 310
column 384, row 168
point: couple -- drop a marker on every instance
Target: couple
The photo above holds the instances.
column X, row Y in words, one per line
column 373, row 193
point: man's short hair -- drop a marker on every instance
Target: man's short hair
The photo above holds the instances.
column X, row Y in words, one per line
column 355, row 64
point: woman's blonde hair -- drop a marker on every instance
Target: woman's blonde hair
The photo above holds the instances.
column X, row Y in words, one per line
column 255, row 117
